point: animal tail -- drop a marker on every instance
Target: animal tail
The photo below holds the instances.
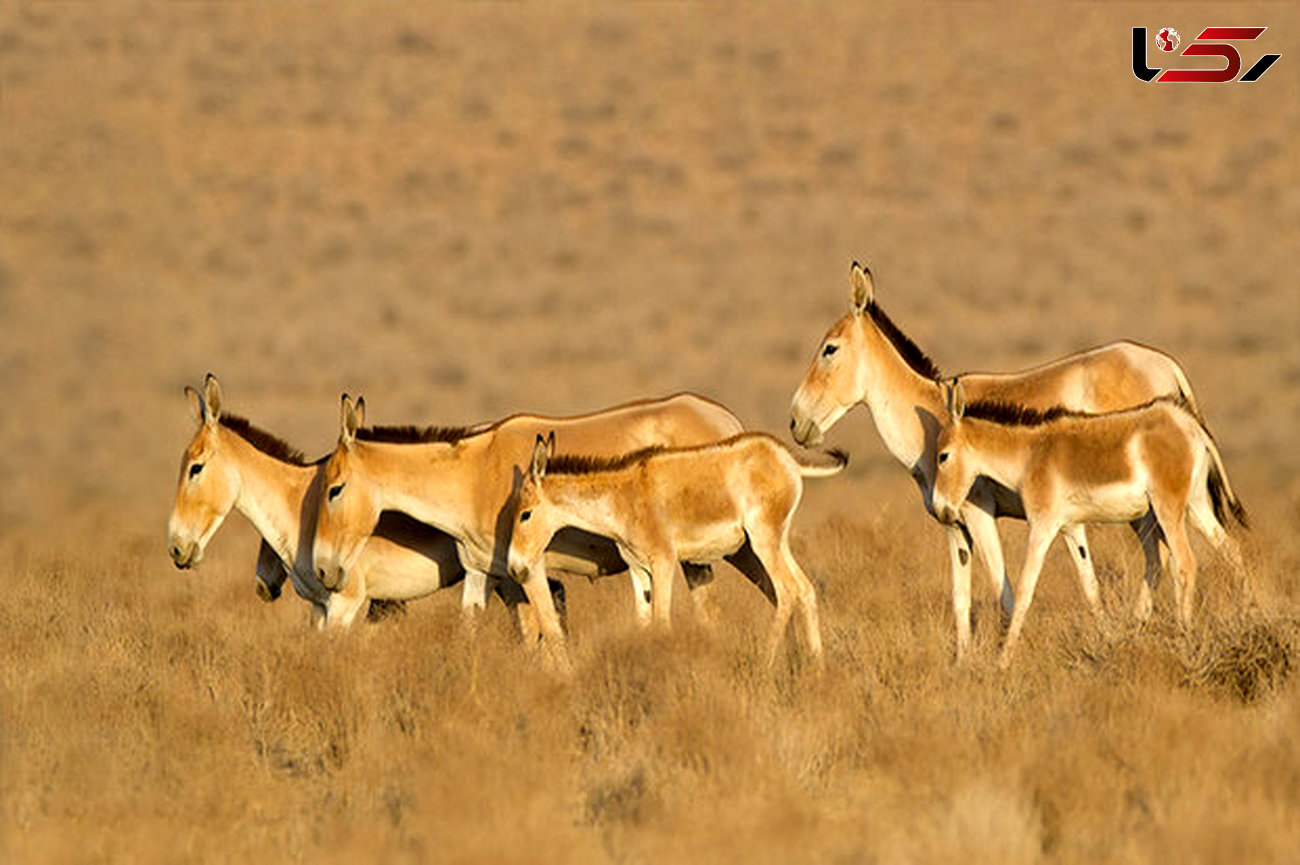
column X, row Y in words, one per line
column 1222, row 498
column 1185, row 396
column 822, row 470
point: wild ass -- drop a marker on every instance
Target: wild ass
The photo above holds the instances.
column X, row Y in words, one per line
column 463, row 480
column 865, row 358
column 231, row 464
column 734, row 499
column 1070, row 468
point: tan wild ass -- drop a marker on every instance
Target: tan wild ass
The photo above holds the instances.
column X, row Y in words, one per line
column 734, row 499
column 1070, row 468
column 865, row 358
column 230, row 464
column 462, row 481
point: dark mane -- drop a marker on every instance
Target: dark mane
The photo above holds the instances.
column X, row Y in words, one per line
column 404, row 435
column 268, row 444
column 910, row 351
column 1012, row 414
column 578, row 464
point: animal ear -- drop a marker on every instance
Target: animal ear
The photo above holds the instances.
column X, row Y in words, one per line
column 197, row 405
column 349, row 421
column 864, row 287
column 550, row 444
column 955, row 396
column 211, row 400
column 541, row 453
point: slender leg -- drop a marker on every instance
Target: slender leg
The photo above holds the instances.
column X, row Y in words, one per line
column 959, row 554
column 699, row 579
column 784, row 584
column 983, row 528
column 1148, row 532
column 319, row 615
column 473, row 595
column 807, row 596
column 1076, row 540
column 1040, row 538
column 1181, row 560
column 1202, row 514
column 642, row 593
column 539, row 596
column 662, row 575
column 271, row 573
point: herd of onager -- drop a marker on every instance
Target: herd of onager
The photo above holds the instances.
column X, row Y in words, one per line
column 662, row 486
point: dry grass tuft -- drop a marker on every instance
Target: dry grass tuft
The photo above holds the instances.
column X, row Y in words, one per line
column 1248, row 661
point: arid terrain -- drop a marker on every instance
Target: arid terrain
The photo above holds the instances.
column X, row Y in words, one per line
column 465, row 211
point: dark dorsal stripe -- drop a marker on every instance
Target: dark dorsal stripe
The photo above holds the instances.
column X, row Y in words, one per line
column 1012, row 414
column 578, row 464
column 404, row 435
column 910, row 351
column 268, row 444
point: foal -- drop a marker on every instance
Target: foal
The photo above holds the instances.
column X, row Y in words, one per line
column 732, row 500
column 1072, row 468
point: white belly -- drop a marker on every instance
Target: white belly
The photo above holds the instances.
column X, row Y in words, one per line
column 708, row 542
column 1107, row 503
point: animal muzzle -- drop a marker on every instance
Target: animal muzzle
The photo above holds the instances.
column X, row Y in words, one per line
column 805, row 432
column 184, row 555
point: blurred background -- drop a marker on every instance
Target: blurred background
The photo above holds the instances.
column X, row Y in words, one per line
column 466, row 211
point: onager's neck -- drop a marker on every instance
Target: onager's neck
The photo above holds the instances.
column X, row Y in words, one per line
column 897, row 395
column 435, row 483
column 271, row 493
column 588, row 501
column 999, row 451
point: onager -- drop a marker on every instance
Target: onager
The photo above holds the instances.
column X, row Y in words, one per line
column 865, row 359
column 732, row 500
column 1070, row 468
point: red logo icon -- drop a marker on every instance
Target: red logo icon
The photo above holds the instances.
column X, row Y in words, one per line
column 1204, row 45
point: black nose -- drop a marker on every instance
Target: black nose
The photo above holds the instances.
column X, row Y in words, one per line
column 175, row 552
column 792, row 424
column 320, row 573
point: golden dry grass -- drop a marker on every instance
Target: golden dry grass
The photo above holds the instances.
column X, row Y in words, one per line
column 471, row 210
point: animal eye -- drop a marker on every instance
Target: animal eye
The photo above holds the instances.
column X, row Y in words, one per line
column 523, row 518
column 336, row 491
column 943, row 457
column 830, row 349
column 195, row 469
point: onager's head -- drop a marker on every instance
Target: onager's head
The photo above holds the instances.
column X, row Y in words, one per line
column 535, row 520
column 208, row 484
column 954, row 469
column 349, row 504
column 836, row 380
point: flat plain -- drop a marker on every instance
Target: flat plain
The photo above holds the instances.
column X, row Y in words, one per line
column 466, row 211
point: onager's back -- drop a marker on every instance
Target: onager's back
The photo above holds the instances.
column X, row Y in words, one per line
column 731, row 500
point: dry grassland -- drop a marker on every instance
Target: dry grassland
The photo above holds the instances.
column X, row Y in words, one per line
column 465, row 211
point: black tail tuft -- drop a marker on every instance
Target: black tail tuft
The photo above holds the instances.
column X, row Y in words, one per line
column 1223, row 503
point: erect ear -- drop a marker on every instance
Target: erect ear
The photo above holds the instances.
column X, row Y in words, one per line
column 550, row 444
column 350, row 420
column 864, row 287
column 541, row 454
column 955, row 397
column 197, row 406
column 211, row 399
